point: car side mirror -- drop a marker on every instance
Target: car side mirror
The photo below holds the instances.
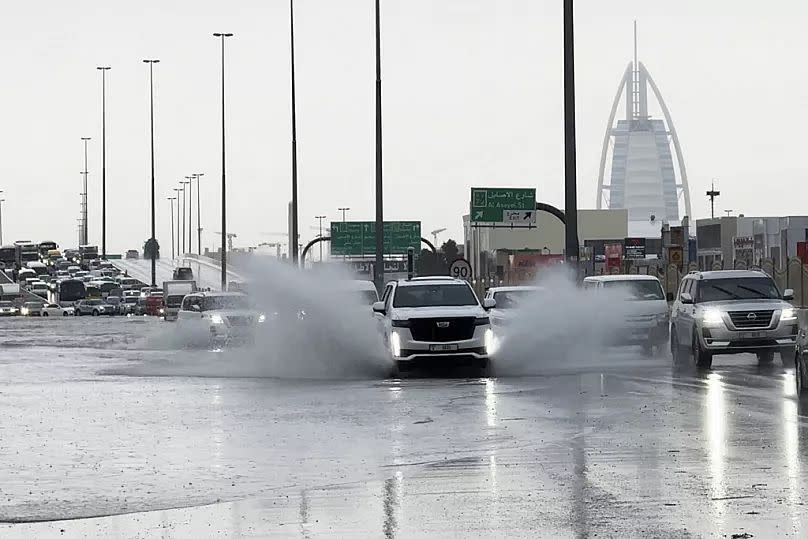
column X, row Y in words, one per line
column 686, row 298
column 788, row 294
column 669, row 296
column 489, row 303
column 378, row 307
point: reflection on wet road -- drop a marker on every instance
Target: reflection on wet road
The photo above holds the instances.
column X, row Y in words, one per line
column 632, row 450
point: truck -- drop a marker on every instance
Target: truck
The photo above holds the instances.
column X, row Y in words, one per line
column 26, row 252
column 9, row 291
column 173, row 294
column 87, row 253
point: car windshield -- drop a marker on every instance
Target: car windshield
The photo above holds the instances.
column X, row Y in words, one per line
column 434, row 295
column 638, row 290
column 734, row 289
column 508, row 299
column 228, row 303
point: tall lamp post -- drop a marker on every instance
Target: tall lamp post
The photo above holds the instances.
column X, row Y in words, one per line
column 222, row 36
column 84, row 236
column 177, row 196
column 153, row 239
column 184, row 205
column 570, row 174
column 294, row 232
column 198, row 213
column 1, row 219
column 171, row 201
column 320, row 218
column 378, row 267
column 343, row 210
column 190, row 211
column 103, row 70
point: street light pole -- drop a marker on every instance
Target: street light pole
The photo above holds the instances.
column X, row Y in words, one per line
column 294, row 232
column 343, row 210
column 1, row 219
column 198, row 213
column 378, row 267
column 320, row 218
column 184, row 206
column 103, row 70
column 177, row 196
column 224, row 183
column 570, row 175
column 171, row 201
column 84, row 209
column 190, row 211
column 153, row 239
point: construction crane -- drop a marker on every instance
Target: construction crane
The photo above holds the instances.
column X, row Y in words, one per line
column 275, row 244
column 435, row 236
column 230, row 237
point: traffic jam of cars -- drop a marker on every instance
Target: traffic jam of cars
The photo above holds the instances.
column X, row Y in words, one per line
column 423, row 320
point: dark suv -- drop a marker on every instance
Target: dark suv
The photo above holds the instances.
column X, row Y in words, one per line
column 732, row 312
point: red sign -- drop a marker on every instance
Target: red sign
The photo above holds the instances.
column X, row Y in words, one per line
column 802, row 252
column 614, row 254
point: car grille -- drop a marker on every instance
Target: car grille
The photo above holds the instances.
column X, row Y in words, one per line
column 240, row 321
column 641, row 319
column 751, row 319
column 429, row 330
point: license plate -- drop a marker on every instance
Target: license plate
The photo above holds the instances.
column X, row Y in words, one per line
column 752, row 334
column 442, row 347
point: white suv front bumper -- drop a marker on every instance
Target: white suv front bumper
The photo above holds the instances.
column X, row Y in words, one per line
column 404, row 348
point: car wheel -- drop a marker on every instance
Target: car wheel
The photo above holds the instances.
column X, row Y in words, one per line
column 78, row 313
column 63, row 314
column 703, row 359
column 95, row 312
column 765, row 358
column 798, row 381
column 45, row 314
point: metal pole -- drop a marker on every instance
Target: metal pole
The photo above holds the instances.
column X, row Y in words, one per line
column 320, row 219
column 171, row 201
column 378, row 267
column 190, row 212
column 294, row 232
column 182, row 226
column 103, row 161
column 198, row 213
column 224, row 182
column 153, row 238
column 177, row 198
column 1, row 219
column 84, row 213
column 570, row 176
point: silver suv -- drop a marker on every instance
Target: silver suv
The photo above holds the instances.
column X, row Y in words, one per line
column 731, row 312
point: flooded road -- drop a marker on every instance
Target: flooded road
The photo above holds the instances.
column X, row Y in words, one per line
column 93, row 424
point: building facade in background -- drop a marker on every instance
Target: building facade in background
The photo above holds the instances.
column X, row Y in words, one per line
column 643, row 177
column 729, row 241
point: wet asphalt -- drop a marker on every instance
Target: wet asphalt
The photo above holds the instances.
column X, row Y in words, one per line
column 95, row 441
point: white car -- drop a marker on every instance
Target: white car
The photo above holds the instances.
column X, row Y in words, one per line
column 40, row 288
column 222, row 318
column 53, row 309
column 647, row 322
column 508, row 299
column 434, row 319
column 8, row 309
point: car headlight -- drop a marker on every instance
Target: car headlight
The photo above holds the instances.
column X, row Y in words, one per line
column 395, row 344
column 25, row 311
column 712, row 317
column 788, row 314
column 490, row 342
column 162, row 311
column 216, row 319
column 262, row 318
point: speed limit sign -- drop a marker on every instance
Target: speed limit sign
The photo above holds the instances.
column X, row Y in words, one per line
column 460, row 269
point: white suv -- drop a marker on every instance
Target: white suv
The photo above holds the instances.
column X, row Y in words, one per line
column 732, row 312
column 222, row 318
column 429, row 319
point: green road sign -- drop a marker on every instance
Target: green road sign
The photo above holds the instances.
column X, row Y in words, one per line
column 497, row 205
column 358, row 238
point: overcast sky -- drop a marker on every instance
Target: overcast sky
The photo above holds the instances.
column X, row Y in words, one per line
column 472, row 97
